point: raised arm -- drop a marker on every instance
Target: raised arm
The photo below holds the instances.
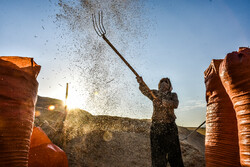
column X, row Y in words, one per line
column 144, row 89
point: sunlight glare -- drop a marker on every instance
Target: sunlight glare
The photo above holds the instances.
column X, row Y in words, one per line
column 51, row 107
column 74, row 101
column 37, row 113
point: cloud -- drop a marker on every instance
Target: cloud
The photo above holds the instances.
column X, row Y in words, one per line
column 192, row 105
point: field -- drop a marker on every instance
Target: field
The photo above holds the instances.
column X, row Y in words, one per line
column 201, row 130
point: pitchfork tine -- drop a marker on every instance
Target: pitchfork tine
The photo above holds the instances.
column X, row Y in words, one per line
column 96, row 27
column 101, row 22
column 93, row 20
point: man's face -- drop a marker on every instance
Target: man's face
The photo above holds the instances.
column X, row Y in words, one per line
column 164, row 87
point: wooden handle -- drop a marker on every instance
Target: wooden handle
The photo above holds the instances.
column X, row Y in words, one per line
column 125, row 61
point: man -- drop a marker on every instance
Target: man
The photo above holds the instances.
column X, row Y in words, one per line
column 165, row 145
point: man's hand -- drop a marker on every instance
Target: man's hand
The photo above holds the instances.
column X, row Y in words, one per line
column 139, row 79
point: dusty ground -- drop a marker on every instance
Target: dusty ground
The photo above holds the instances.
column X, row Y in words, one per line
column 108, row 141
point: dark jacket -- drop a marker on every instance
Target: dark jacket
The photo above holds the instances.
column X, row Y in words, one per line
column 164, row 110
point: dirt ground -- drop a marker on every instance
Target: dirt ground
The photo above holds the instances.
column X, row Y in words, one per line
column 102, row 141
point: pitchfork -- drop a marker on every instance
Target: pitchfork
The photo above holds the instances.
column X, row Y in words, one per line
column 101, row 32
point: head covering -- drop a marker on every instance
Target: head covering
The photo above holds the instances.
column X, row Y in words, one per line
column 165, row 80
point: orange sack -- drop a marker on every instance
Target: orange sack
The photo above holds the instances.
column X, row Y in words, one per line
column 43, row 153
column 221, row 144
column 235, row 76
column 18, row 94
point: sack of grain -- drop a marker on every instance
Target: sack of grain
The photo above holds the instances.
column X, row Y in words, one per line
column 235, row 76
column 18, row 94
column 221, row 145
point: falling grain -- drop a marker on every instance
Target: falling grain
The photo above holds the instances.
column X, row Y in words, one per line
column 101, row 75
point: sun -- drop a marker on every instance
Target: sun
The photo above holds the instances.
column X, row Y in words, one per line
column 74, row 101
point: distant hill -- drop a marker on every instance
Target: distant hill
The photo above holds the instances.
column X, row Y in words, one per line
column 202, row 130
column 107, row 140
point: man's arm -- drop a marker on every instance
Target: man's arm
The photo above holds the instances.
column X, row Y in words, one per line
column 144, row 89
column 174, row 102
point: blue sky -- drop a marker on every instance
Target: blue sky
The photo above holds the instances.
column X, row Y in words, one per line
column 183, row 38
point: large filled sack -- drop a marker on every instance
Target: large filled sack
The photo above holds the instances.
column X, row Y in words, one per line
column 221, row 144
column 235, row 76
column 43, row 153
column 38, row 138
column 18, row 94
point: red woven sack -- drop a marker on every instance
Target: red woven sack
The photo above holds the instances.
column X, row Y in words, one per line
column 38, row 138
column 235, row 76
column 18, row 94
column 43, row 153
column 221, row 144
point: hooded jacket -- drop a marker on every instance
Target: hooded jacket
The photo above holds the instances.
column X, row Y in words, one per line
column 164, row 109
